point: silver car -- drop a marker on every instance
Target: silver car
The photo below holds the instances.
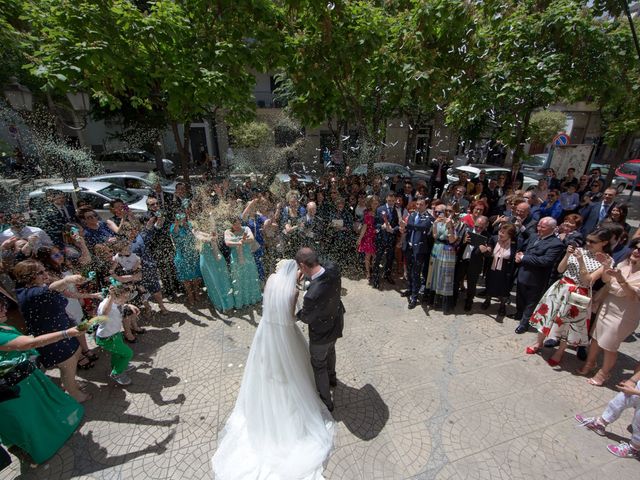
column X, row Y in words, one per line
column 493, row 171
column 96, row 194
column 132, row 160
column 141, row 183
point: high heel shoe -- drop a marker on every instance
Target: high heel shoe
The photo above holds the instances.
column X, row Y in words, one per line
column 532, row 350
column 553, row 363
column 599, row 379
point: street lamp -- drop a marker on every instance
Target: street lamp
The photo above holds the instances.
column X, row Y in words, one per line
column 18, row 96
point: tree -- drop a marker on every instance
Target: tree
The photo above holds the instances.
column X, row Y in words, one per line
column 545, row 124
column 525, row 59
column 186, row 58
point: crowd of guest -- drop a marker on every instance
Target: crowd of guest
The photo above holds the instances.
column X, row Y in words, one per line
column 563, row 246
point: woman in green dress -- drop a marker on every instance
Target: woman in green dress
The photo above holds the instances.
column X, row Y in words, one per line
column 244, row 273
column 214, row 272
column 41, row 418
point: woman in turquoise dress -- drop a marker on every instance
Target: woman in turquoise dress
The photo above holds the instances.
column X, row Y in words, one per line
column 37, row 416
column 187, row 259
column 244, row 273
column 215, row 273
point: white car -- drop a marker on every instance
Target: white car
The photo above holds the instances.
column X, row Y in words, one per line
column 493, row 171
column 96, row 194
column 141, row 183
column 132, row 160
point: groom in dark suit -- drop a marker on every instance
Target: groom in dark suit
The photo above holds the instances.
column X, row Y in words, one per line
column 323, row 311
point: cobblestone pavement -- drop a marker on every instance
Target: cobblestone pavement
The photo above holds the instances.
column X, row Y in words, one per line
column 420, row 396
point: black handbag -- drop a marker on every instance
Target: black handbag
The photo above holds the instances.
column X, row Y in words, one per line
column 12, row 372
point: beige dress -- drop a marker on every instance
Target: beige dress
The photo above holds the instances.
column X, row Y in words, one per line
column 619, row 313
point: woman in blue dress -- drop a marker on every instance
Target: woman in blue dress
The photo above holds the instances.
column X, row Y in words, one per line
column 244, row 273
column 214, row 272
column 187, row 259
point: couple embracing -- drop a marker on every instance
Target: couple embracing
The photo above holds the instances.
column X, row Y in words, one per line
column 281, row 427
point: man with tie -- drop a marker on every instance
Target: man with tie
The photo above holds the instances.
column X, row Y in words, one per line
column 470, row 261
column 387, row 225
column 56, row 214
column 543, row 252
column 596, row 212
column 416, row 248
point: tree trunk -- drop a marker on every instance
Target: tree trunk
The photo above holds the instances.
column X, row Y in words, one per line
column 183, row 148
column 618, row 157
column 521, row 134
column 157, row 151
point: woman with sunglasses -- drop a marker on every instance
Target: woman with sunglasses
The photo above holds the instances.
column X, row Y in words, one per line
column 58, row 268
column 580, row 267
column 618, row 318
column 43, row 309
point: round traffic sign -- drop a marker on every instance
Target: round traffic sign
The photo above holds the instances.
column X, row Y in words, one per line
column 561, row 139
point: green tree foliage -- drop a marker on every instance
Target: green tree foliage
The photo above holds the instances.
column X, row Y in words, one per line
column 545, row 124
column 186, row 58
column 251, row 134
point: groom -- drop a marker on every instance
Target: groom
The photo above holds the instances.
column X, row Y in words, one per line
column 323, row 311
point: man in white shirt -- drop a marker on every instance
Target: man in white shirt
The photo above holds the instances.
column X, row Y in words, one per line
column 19, row 228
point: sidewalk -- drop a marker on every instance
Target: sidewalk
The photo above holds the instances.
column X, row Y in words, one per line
column 419, row 397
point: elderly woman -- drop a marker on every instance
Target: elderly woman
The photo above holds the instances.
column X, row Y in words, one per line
column 44, row 311
column 580, row 267
column 499, row 280
column 37, row 416
column 244, row 273
column 443, row 257
column 478, row 209
column 569, row 230
column 618, row 316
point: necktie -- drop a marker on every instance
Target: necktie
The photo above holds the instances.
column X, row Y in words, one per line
column 603, row 212
column 416, row 219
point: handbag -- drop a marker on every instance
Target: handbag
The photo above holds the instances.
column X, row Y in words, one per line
column 583, row 302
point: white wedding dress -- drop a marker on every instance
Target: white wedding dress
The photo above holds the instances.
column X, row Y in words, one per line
column 279, row 428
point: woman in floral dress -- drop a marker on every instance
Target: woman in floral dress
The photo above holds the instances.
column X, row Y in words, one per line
column 580, row 267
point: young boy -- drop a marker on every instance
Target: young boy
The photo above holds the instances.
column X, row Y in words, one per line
column 629, row 397
column 109, row 333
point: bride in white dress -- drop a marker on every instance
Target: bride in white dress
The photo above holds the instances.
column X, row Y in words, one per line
column 279, row 428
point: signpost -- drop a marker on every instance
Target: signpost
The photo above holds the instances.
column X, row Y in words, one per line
column 561, row 139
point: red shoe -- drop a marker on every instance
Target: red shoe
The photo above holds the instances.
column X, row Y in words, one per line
column 553, row 363
column 532, row 350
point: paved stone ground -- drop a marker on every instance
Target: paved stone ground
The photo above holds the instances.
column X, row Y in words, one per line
column 420, row 396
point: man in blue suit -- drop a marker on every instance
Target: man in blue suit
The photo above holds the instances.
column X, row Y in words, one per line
column 56, row 214
column 387, row 225
column 594, row 213
column 416, row 246
column 542, row 253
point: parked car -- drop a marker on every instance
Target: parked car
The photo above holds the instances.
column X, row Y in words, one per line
column 141, row 183
column 493, row 171
column 627, row 172
column 534, row 165
column 619, row 182
column 96, row 194
column 132, row 160
column 241, row 172
column 388, row 169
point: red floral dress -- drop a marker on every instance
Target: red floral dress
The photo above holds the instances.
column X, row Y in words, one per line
column 555, row 315
column 368, row 242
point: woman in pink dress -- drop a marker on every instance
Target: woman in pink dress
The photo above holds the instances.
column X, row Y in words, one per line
column 367, row 239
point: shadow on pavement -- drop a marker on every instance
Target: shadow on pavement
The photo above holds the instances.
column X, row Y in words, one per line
column 362, row 410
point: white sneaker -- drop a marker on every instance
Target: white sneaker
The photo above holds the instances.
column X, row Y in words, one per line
column 122, row 379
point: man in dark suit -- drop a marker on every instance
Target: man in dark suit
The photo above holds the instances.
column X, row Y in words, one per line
column 438, row 177
column 594, row 213
column 58, row 212
column 416, row 247
column 323, row 311
column 542, row 253
column 470, row 262
column 387, row 224
column 516, row 177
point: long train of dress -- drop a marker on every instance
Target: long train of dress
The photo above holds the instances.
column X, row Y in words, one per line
column 279, row 428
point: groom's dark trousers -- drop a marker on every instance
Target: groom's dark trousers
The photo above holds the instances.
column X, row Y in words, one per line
column 323, row 311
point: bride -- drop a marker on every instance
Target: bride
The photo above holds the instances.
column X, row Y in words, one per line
column 279, row 428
